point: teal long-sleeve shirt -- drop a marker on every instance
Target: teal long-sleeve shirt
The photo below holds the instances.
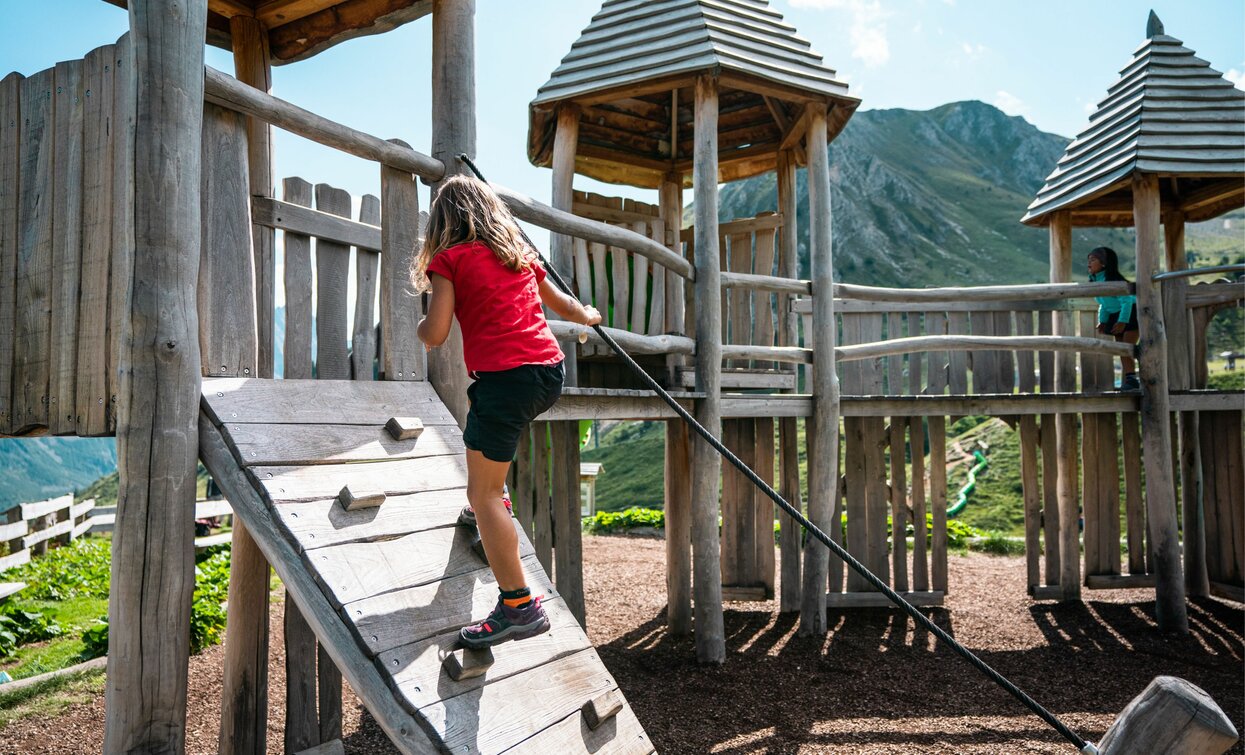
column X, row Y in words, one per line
column 1120, row 306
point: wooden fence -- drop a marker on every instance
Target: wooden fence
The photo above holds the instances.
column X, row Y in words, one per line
column 29, row 527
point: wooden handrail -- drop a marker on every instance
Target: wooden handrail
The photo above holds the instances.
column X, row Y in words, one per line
column 990, row 343
column 226, row 91
column 1174, row 274
column 274, row 213
column 1031, row 292
column 766, row 283
column 1214, row 293
column 634, row 343
column 788, row 354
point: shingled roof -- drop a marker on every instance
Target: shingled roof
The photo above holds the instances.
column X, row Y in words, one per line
column 1170, row 114
column 646, row 49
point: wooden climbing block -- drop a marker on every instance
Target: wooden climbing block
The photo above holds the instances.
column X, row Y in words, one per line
column 465, row 663
column 352, row 499
column 477, row 547
column 601, row 708
column 404, row 428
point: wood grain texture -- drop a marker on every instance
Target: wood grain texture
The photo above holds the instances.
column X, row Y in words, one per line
column 1050, row 499
column 1170, row 715
column 275, row 445
column 542, row 516
column 620, row 735
column 34, row 253
column 301, row 720
column 298, row 218
column 1065, row 426
column 228, row 339
column 297, row 279
column 332, row 273
column 402, row 355
column 67, row 101
column 678, row 505
column 124, row 133
column 321, row 523
column 568, row 531
column 309, row 483
column 367, row 267
column 321, row 402
column 92, row 399
column 244, row 692
column 10, row 171
column 920, row 557
column 938, row 502
column 394, row 620
column 158, row 397
column 1032, row 499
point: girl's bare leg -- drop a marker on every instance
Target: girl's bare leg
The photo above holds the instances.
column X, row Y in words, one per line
column 485, row 479
column 1128, row 363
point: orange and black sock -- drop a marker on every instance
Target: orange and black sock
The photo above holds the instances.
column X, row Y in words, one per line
column 517, row 598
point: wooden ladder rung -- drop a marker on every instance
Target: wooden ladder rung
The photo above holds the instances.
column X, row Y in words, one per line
column 404, row 428
column 465, row 663
column 601, row 708
column 360, row 499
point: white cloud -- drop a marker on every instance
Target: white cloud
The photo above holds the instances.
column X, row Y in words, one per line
column 1010, row 103
column 1236, row 77
column 868, row 29
column 973, row 51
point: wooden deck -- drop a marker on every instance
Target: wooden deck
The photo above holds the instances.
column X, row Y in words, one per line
column 386, row 589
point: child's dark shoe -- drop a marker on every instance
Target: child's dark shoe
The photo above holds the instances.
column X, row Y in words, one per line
column 506, row 623
column 1130, row 383
column 467, row 517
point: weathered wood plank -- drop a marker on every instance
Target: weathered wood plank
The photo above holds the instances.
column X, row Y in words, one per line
column 309, row 483
column 416, row 667
column 321, row 402
column 91, row 402
column 66, row 247
column 10, row 167
column 957, row 361
column 763, row 537
column 1032, row 499
column 43, row 508
column 899, row 504
column 600, row 278
column 353, row 571
column 920, row 559
column 367, row 267
column 1005, row 361
column 542, row 518
column 36, row 209
column 927, row 599
column 332, row 273
column 678, row 502
column 983, row 364
column 1170, row 715
column 318, row 524
column 276, row 445
column 1050, row 498
column 297, row 279
column 397, row 619
column 295, row 217
column 621, row 735
column 568, row 555
column 1091, row 498
column 938, row 502
column 124, row 127
column 639, row 286
column 228, row 338
column 14, row 560
column 487, row 720
column 402, row 225
column 737, row 313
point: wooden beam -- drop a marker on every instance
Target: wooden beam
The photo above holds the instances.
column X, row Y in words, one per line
column 343, row 20
column 678, row 494
column 1170, row 715
column 706, row 464
column 153, row 543
column 402, row 357
column 561, row 251
column 1156, row 445
column 275, row 213
column 1065, row 425
column 795, row 131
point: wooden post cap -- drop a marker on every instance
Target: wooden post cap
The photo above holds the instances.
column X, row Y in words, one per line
column 465, row 663
column 360, row 499
column 477, row 547
column 404, row 428
column 1171, row 716
column 601, row 708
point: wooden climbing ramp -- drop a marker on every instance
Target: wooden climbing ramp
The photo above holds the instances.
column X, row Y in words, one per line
column 386, row 587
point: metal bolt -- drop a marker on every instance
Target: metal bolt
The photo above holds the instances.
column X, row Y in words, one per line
column 220, row 394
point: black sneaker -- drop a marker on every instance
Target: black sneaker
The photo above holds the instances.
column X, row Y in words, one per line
column 506, row 623
column 1130, row 383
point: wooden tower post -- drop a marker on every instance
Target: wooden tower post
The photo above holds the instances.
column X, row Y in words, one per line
column 561, row 251
column 706, row 464
column 453, row 133
column 788, row 430
column 1065, row 424
column 157, row 435
column 823, row 463
column 1156, row 444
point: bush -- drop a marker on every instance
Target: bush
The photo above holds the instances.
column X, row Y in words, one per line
column 82, row 569
column 999, row 544
column 1227, row 381
column 19, row 626
column 613, row 521
column 95, row 640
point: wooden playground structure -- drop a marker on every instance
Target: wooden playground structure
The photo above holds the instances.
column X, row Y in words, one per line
column 138, row 244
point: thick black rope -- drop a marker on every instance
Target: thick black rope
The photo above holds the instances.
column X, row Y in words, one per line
column 813, row 529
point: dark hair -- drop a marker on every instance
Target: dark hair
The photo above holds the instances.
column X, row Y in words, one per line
column 1110, row 263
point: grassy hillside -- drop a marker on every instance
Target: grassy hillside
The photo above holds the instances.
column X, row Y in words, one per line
column 32, row 469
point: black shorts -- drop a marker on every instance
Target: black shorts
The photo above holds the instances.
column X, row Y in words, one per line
column 1112, row 319
column 503, row 403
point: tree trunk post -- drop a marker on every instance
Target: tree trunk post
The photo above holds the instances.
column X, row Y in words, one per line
column 453, row 133
column 157, row 435
column 823, row 463
column 788, row 429
column 1065, row 424
column 561, row 251
column 706, row 463
column 1156, row 443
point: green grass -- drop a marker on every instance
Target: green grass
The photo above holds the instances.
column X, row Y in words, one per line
column 633, row 455
column 74, row 615
column 52, row 697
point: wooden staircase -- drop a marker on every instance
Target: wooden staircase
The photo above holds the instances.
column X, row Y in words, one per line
column 386, row 589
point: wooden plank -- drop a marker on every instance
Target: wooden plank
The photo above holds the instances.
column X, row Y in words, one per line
column 121, row 267
column 91, row 402
column 284, row 483
column 1026, row 375
column 47, row 533
column 737, row 312
column 367, row 267
column 621, row 735
column 1032, row 498
column 762, row 301
column 732, row 438
column 329, row 687
column 1170, row 715
column 878, row 505
column 487, row 720
column 10, row 167
column 855, row 436
column 13, row 530
column 1109, row 479
column 14, row 560
column 938, row 502
column 297, row 280
column 66, row 247
column 294, row 217
column 521, row 493
column 321, row 523
column 542, row 517
column 80, row 509
column 402, row 225
column 677, row 482
column 568, row 555
column 957, row 361
column 43, row 508
column 936, row 323
column 600, row 278
column 583, row 271
column 211, row 508
column 1091, row 492
column 1046, row 359
column 36, row 207
column 11, row 588
column 659, row 275
column 1005, row 362
column 226, row 294
column 275, row 445
column 332, row 747
column 639, row 286
column 321, row 402
column 842, row 600
column 332, row 272
column 984, row 364
column 353, row 571
column 416, row 667
column 1050, row 498
column 920, row 559
column 390, row 622
column 765, row 509
column 894, row 363
column 899, row 505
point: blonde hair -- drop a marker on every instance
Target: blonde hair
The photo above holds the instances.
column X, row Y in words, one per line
column 466, row 210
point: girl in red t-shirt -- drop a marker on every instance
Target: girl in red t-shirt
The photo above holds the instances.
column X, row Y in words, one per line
column 479, row 270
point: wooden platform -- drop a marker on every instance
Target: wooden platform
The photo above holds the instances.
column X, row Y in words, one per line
column 386, row 589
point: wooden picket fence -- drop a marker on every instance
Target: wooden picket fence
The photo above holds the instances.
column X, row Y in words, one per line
column 29, row 527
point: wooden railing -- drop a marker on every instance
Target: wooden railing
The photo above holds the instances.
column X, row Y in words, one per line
column 28, row 527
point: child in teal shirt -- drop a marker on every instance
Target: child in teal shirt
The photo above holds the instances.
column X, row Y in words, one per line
column 1117, row 315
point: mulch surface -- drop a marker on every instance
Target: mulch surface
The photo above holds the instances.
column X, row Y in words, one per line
column 875, row 684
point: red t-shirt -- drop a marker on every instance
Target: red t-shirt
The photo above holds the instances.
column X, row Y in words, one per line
column 498, row 309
